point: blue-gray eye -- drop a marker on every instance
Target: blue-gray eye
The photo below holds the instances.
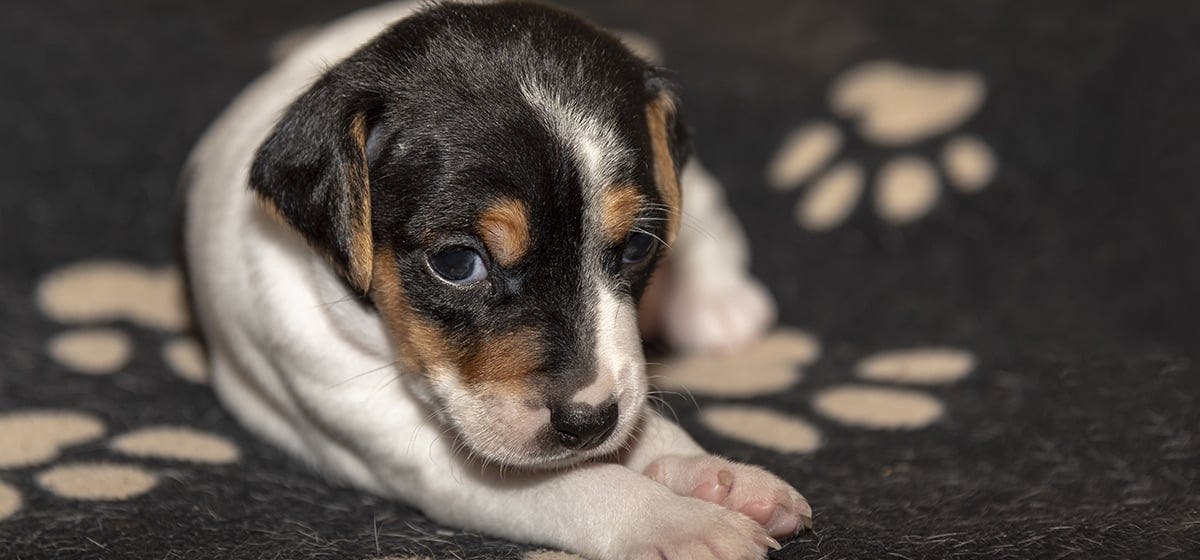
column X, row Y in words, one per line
column 458, row 265
column 638, row 247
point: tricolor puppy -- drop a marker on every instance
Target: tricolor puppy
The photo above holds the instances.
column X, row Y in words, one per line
column 416, row 253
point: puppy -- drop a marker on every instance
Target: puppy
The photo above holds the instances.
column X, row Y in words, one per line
column 418, row 268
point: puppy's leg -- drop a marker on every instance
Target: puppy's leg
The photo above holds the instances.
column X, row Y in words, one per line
column 604, row 511
column 667, row 455
column 709, row 301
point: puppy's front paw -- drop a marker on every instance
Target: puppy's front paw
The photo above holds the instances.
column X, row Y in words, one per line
column 717, row 314
column 747, row 489
column 687, row 529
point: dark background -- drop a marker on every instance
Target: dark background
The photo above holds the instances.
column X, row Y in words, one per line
column 1075, row 277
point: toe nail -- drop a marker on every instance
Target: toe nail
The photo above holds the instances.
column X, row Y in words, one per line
column 725, row 478
column 806, row 521
column 804, row 509
column 774, row 544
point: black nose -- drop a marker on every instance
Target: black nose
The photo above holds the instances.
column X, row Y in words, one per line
column 581, row 426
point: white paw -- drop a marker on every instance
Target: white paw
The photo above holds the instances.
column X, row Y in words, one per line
column 682, row 528
column 746, row 489
column 706, row 315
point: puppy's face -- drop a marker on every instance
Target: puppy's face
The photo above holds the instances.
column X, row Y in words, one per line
column 501, row 181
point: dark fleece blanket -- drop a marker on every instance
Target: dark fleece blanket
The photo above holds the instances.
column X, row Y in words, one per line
column 979, row 220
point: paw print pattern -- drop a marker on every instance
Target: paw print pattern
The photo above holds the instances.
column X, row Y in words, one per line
column 776, row 361
column 37, row 438
column 895, row 107
column 96, row 292
column 776, row 364
column 10, row 501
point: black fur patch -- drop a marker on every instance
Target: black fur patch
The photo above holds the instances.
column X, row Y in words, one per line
column 443, row 91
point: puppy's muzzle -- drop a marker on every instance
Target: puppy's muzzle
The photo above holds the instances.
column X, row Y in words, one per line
column 581, row 426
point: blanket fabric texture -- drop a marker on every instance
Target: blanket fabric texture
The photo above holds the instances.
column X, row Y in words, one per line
column 979, row 220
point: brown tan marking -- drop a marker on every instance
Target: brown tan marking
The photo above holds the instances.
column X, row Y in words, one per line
column 504, row 227
column 619, row 208
column 421, row 346
column 273, row 212
column 667, row 179
column 359, row 205
column 506, row 359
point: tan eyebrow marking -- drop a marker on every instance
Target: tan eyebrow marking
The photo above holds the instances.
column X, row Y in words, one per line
column 664, row 165
column 619, row 208
column 504, row 228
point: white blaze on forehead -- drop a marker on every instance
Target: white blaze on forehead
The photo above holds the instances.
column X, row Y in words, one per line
column 595, row 145
column 618, row 348
column 600, row 154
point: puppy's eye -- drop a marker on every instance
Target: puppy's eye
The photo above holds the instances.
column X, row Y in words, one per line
column 638, row 248
column 458, row 265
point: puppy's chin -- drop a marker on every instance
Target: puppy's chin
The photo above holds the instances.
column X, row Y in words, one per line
column 506, row 431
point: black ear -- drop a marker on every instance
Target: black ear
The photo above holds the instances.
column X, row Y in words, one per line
column 312, row 171
column 670, row 144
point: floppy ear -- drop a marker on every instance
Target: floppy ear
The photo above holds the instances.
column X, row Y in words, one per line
column 670, row 145
column 312, row 172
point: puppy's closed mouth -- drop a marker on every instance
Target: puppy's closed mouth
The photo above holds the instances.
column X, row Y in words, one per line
column 512, row 431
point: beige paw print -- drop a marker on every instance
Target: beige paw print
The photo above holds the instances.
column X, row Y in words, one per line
column 96, row 292
column 37, row 438
column 775, row 364
column 892, row 106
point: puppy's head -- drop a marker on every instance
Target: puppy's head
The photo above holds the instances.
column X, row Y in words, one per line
column 500, row 180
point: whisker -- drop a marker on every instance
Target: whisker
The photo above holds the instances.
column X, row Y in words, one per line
column 686, row 392
column 687, row 219
column 328, row 304
column 356, row 376
column 663, row 403
column 660, row 240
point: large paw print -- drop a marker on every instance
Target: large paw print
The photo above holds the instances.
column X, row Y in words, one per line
column 38, row 438
column 775, row 364
column 93, row 293
column 895, row 107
